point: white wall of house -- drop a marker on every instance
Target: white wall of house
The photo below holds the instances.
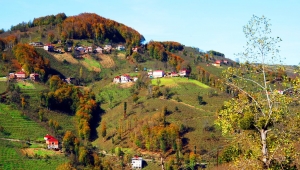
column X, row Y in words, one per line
column 137, row 163
column 125, row 79
column 158, row 74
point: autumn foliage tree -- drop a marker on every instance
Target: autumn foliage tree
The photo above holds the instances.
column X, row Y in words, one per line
column 90, row 25
column 30, row 60
column 260, row 118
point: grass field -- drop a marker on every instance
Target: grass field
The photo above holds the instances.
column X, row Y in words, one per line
column 90, row 63
column 17, row 126
column 116, row 93
column 25, row 85
column 174, row 81
column 3, row 86
column 11, row 157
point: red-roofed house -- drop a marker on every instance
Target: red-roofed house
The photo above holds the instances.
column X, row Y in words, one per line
column 20, row 75
column 117, row 79
column 217, row 63
column 174, row 74
column 52, row 142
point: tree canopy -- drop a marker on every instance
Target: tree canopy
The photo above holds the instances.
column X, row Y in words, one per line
column 90, row 25
column 260, row 117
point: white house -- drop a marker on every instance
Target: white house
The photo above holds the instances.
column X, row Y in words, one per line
column 137, row 163
column 99, row 50
column 20, row 75
column 125, row 78
column 120, row 47
column 158, row 73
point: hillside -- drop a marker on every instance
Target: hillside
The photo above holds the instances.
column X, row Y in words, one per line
column 107, row 106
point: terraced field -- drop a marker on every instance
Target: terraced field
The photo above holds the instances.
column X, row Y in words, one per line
column 11, row 157
column 17, row 126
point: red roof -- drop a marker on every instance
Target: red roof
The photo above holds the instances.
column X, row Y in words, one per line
column 48, row 136
column 117, row 77
column 52, row 140
column 20, row 72
column 218, row 62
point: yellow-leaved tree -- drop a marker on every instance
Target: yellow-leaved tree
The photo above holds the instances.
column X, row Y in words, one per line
column 262, row 118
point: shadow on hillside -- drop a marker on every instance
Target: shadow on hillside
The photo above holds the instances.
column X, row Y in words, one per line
column 95, row 123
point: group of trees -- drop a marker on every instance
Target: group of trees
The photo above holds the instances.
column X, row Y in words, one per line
column 46, row 20
column 49, row 19
column 89, row 25
column 30, row 60
column 161, row 51
column 215, row 53
column 71, row 99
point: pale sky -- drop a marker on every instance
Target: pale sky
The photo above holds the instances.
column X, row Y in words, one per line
column 206, row 24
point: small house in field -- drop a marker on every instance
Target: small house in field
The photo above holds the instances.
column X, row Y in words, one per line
column 48, row 47
column 125, row 78
column 117, row 79
column 20, row 75
column 184, row 72
column 34, row 76
column 137, row 162
column 158, row 74
column 51, row 142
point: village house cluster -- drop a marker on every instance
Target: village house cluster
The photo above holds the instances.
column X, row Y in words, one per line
column 125, row 78
column 161, row 73
column 218, row 63
column 21, row 75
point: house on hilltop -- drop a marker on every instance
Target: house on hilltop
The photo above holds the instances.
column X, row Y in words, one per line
column 51, row 142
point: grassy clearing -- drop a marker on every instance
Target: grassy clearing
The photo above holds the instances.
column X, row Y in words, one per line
column 3, row 79
column 17, row 126
column 11, row 157
column 113, row 92
column 66, row 122
column 66, row 56
column 106, row 61
column 3, row 86
column 25, row 85
column 90, row 63
column 174, row 81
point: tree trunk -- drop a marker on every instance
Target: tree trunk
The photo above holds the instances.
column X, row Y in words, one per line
column 264, row 149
